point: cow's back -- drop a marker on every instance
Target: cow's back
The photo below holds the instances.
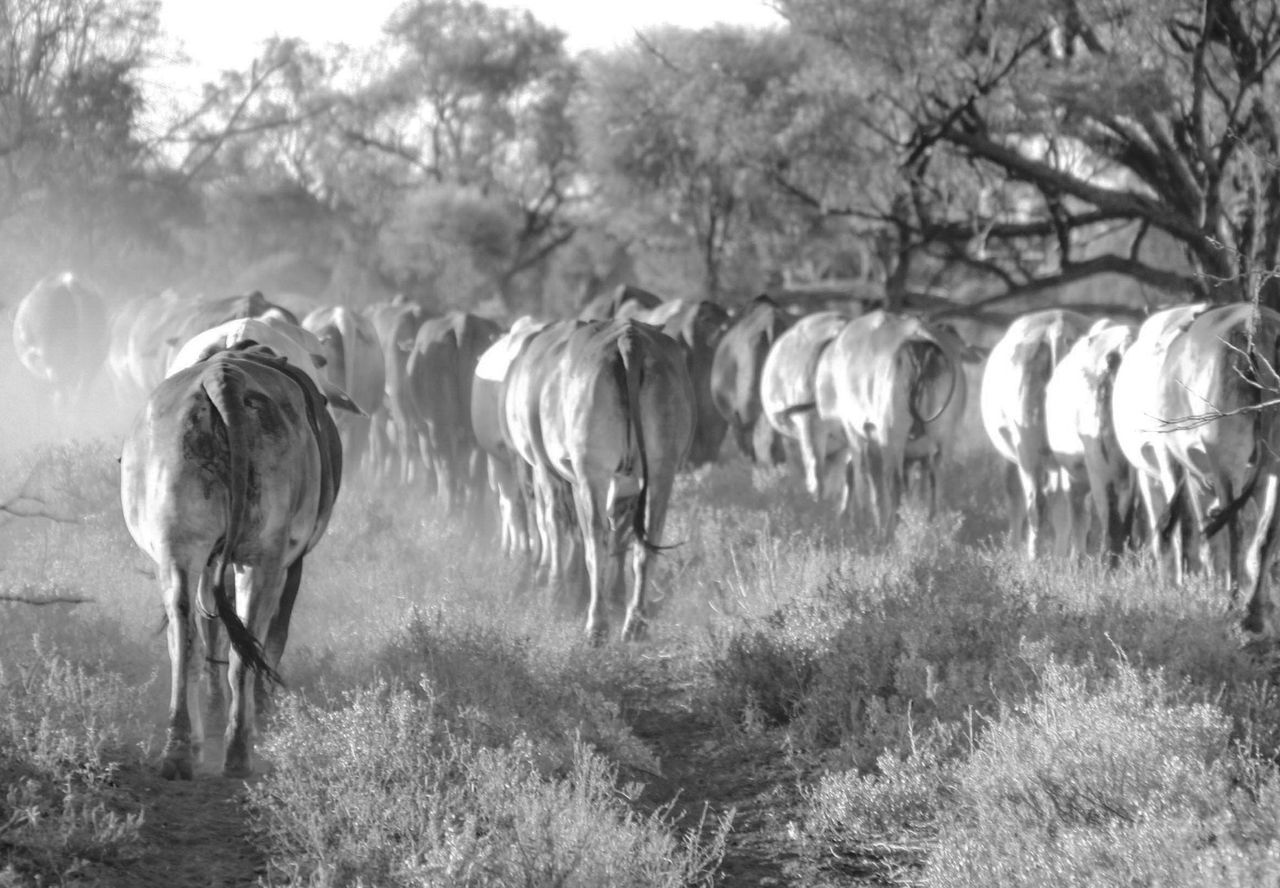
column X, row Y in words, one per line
column 1017, row 373
column 787, row 382
column 1135, row 390
column 1209, row 389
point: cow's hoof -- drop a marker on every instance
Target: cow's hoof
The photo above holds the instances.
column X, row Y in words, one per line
column 236, row 770
column 635, row 629
column 180, row 768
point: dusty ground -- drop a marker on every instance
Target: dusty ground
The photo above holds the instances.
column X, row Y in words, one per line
column 194, row 833
column 705, row 766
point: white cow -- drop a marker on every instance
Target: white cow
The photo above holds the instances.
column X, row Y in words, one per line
column 788, row 393
column 1013, row 386
column 299, row 347
column 1082, row 439
column 1142, row 436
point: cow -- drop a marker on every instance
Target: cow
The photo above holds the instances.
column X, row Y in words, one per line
column 184, row 318
column 148, row 332
column 533, row 370
column 354, row 363
column 620, row 301
column 1215, row 399
column 202, row 313
column 140, row 344
column 788, row 393
column 1082, row 440
column 60, row 335
column 617, row 423
column 227, row 480
column 1141, row 436
column 1012, row 400
column 735, row 377
column 896, row 386
column 292, row 343
column 128, row 393
column 440, row 372
column 396, row 324
column 488, row 405
column 698, row 326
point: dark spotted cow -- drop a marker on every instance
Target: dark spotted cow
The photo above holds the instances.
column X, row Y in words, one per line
column 227, row 480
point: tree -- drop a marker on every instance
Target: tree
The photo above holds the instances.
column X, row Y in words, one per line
column 70, row 150
column 1021, row 128
column 476, row 109
column 281, row 184
column 675, row 126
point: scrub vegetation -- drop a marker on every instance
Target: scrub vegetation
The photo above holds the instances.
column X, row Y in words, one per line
column 811, row 708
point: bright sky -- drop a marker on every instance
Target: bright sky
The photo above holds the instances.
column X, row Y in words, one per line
column 227, row 34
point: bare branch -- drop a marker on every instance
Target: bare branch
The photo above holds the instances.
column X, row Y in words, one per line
column 42, row 600
column 1167, row 280
column 1118, row 203
column 658, row 54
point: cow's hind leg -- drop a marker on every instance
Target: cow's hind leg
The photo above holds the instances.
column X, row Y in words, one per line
column 258, row 592
column 1034, row 503
column 214, row 644
column 278, row 634
column 662, row 480
column 812, row 451
column 186, row 658
column 1260, row 610
column 1071, row 530
column 591, row 522
column 1016, row 509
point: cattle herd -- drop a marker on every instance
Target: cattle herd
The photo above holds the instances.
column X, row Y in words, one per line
column 577, row 429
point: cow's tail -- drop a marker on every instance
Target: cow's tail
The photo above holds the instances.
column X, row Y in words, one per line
column 226, row 396
column 1220, row 518
column 794, row 409
column 632, row 358
column 1058, row 344
column 1174, row 511
column 924, row 354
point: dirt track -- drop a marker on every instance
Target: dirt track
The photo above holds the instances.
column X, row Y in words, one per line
column 195, row 833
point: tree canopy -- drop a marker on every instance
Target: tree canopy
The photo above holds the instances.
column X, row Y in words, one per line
column 1063, row 116
column 977, row 151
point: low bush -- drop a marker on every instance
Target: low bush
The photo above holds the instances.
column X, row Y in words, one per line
column 64, row 731
column 934, row 630
column 1109, row 781
column 382, row 790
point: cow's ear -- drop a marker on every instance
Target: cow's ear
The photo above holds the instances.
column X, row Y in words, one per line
column 340, row 399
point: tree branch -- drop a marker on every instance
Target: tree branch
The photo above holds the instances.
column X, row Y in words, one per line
column 1112, row 264
column 1116, row 203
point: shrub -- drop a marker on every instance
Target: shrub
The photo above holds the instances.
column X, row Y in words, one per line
column 494, row 687
column 1106, row 781
column 63, row 732
column 380, row 791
